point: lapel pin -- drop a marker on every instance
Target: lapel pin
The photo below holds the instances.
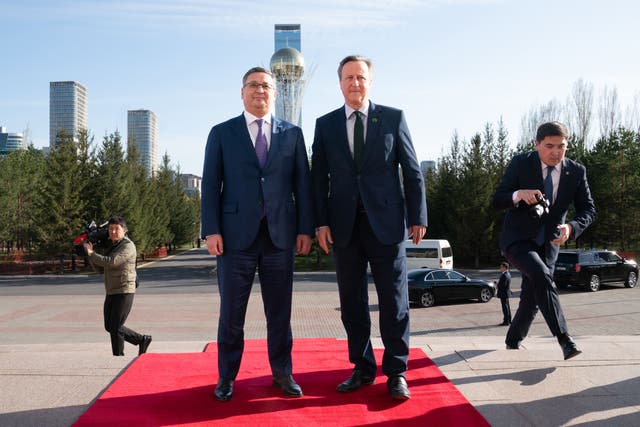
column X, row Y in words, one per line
column 374, row 120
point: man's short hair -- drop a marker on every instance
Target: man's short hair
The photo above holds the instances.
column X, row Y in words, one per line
column 552, row 129
column 255, row 70
column 504, row 264
column 118, row 220
column 352, row 58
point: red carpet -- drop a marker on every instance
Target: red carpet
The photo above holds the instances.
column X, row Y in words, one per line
column 177, row 389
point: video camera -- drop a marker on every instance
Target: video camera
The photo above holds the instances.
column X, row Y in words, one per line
column 97, row 235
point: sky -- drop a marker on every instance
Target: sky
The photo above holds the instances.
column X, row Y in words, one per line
column 451, row 65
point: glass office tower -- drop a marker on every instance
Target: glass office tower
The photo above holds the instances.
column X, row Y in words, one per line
column 67, row 109
column 142, row 130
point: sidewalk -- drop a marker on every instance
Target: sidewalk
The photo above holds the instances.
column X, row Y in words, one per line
column 52, row 385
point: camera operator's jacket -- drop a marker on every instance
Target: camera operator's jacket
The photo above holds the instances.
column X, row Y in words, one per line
column 119, row 263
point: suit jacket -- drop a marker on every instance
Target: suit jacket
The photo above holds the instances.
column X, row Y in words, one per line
column 235, row 188
column 525, row 172
column 338, row 185
column 504, row 285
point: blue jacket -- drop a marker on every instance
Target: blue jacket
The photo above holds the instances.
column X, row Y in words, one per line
column 525, row 172
column 391, row 205
column 235, row 188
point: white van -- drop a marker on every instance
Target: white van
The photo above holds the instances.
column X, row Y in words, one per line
column 431, row 253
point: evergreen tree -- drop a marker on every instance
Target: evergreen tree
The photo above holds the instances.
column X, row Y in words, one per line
column 21, row 173
column 61, row 205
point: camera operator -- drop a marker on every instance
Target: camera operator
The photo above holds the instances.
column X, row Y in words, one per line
column 536, row 190
column 119, row 263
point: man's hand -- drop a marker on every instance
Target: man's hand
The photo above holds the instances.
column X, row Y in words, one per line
column 417, row 232
column 88, row 247
column 303, row 244
column 323, row 234
column 214, row 244
column 529, row 196
column 565, row 233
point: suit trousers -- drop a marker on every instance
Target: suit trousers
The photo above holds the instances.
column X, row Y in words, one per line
column 236, row 272
column 389, row 270
column 506, row 310
column 116, row 310
column 537, row 291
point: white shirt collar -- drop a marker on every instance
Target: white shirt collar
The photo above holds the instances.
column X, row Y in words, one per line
column 250, row 118
column 364, row 109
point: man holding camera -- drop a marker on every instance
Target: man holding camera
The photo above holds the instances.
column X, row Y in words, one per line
column 536, row 190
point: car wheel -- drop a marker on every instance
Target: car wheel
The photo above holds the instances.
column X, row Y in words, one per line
column 594, row 283
column 632, row 278
column 485, row 295
column 427, row 299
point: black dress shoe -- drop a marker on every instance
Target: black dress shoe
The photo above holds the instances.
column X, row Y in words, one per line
column 513, row 346
column 144, row 344
column 398, row 388
column 224, row 390
column 355, row 381
column 288, row 386
column 569, row 348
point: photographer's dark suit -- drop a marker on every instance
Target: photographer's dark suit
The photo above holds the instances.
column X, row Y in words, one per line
column 519, row 231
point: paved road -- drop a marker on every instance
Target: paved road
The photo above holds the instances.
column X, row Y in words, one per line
column 614, row 310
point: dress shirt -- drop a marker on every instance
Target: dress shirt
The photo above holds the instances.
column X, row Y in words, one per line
column 252, row 126
column 351, row 122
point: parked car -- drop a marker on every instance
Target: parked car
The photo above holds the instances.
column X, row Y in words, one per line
column 428, row 286
column 593, row 267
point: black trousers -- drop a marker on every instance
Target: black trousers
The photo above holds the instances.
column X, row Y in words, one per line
column 537, row 292
column 116, row 311
column 236, row 272
column 389, row 270
column 506, row 310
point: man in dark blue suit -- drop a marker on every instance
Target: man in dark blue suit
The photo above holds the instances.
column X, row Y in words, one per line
column 257, row 209
column 530, row 241
column 504, row 292
column 361, row 208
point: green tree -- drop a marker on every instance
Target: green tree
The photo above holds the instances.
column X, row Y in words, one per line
column 21, row 175
column 61, row 205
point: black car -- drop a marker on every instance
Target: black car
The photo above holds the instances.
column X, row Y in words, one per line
column 428, row 286
column 593, row 267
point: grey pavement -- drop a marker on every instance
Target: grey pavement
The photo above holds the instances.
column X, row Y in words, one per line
column 55, row 358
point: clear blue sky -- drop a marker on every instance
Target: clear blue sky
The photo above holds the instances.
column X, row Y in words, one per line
column 450, row 64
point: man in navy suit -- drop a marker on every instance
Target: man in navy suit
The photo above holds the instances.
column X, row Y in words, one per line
column 257, row 209
column 504, row 292
column 529, row 241
column 362, row 209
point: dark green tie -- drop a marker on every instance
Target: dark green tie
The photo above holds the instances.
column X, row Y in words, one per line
column 358, row 140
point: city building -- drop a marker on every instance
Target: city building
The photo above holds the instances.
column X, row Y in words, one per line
column 142, row 130
column 67, row 109
column 427, row 165
column 288, row 68
column 287, row 35
column 191, row 184
column 10, row 141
